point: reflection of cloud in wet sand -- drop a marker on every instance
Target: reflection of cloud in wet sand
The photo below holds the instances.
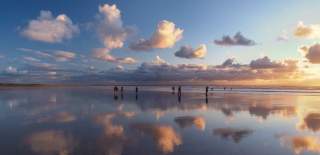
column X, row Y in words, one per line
column 113, row 139
column 61, row 117
column 311, row 122
column 235, row 134
column 51, row 142
column 187, row 121
column 299, row 144
column 165, row 137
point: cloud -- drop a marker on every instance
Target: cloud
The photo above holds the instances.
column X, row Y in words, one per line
column 187, row 121
column 104, row 54
column 165, row 137
column 110, row 27
column 307, row 31
column 300, row 144
column 32, row 59
column 283, row 37
column 236, row 134
column 159, row 70
column 112, row 34
column 189, row 53
column 312, row 53
column 46, row 28
column 165, row 36
column 64, row 55
column 36, row 52
column 237, row 40
column 11, row 70
column 264, row 63
column 230, row 62
column 14, row 71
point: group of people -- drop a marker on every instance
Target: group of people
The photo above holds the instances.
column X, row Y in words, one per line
column 116, row 89
column 174, row 89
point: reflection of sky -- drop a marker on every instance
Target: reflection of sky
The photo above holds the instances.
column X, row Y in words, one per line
column 88, row 120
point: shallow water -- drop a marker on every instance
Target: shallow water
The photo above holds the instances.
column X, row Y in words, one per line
column 89, row 120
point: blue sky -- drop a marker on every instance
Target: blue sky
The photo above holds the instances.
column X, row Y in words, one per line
column 202, row 22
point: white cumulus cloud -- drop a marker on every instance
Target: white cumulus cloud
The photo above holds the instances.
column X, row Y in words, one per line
column 165, row 36
column 307, row 31
column 46, row 28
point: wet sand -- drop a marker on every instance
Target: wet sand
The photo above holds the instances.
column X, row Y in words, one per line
column 89, row 120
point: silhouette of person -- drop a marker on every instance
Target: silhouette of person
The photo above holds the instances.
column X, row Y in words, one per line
column 115, row 92
column 173, row 89
column 179, row 91
column 207, row 89
column 121, row 90
column 137, row 92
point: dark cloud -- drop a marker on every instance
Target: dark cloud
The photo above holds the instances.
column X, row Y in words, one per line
column 237, row 40
column 311, row 53
column 159, row 70
column 189, row 53
column 264, row 63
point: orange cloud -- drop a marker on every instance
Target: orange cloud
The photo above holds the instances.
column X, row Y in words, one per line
column 164, row 136
column 165, row 36
column 299, row 144
column 307, row 31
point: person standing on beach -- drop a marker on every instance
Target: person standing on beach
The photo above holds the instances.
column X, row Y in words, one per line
column 136, row 92
column 207, row 90
column 115, row 92
column 173, row 89
column 121, row 91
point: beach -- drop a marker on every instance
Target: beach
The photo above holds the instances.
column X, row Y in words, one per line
column 90, row 120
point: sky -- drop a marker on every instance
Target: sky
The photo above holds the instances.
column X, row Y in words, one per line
column 97, row 41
